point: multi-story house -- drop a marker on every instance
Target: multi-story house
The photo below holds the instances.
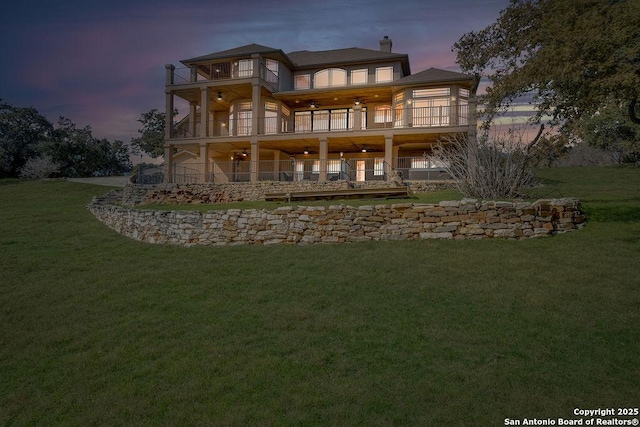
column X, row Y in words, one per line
column 257, row 113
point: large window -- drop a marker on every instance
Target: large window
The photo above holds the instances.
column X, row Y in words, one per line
column 302, row 82
column 333, row 166
column 326, row 120
column 359, row 77
column 243, row 68
column 431, row 107
column 270, row 117
column 240, row 121
column 382, row 114
column 330, row 77
column 384, row 74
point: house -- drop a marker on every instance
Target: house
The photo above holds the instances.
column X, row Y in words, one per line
column 256, row 113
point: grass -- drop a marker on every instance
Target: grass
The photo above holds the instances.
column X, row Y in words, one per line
column 99, row 329
column 432, row 197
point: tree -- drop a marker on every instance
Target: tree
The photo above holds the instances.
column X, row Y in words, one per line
column 39, row 168
column 151, row 139
column 575, row 57
column 80, row 154
column 22, row 131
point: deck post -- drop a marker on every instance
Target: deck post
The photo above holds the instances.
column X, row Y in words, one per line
column 324, row 153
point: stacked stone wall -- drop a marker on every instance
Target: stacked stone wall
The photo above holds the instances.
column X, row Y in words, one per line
column 135, row 194
column 465, row 219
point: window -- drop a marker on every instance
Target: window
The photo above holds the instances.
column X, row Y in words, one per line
column 378, row 167
column 302, row 82
column 330, row 77
column 431, row 112
column 244, row 68
column 382, row 114
column 427, row 93
column 384, row 74
column 333, row 166
column 359, row 77
column 244, row 122
column 302, row 121
column 272, row 66
column 464, row 93
column 270, row 117
column 339, row 119
column 398, row 97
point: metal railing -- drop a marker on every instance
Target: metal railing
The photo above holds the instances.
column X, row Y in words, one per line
column 223, row 71
column 355, row 170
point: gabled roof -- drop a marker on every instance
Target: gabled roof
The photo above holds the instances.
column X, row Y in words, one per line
column 432, row 75
column 246, row 50
column 308, row 59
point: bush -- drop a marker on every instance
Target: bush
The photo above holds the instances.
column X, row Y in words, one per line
column 39, row 168
column 493, row 168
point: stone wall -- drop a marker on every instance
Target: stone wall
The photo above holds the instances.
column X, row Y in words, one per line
column 135, row 194
column 465, row 219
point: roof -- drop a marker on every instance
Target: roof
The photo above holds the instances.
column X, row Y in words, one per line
column 305, row 58
column 235, row 52
column 432, row 75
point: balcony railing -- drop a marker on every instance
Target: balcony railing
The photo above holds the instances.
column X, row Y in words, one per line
column 423, row 117
column 356, row 170
column 223, row 71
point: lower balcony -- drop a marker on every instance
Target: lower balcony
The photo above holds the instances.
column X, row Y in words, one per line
column 355, row 170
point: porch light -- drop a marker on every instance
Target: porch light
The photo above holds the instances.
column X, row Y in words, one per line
column 364, row 149
column 219, row 96
column 244, row 153
column 306, row 150
column 312, row 104
column 357, row 101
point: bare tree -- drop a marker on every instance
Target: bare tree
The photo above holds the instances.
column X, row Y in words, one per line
column 490, row 168
column 39, row 168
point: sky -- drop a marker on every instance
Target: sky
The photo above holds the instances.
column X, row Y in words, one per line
column 101, row 63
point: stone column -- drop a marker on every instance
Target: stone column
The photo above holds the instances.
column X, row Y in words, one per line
column 388, row 155
column 169, row 69
column 204, row 159
column 204, row 112
column 168, row 160
column 276, row 165
column 357, row 117
column 255, row 107
column 324, row 154
column 168, row 117
column 194, row 74
column 192, row 119
column 255, row 160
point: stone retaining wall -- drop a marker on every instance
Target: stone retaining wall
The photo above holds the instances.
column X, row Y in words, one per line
column 465, row 219
column 135, row 194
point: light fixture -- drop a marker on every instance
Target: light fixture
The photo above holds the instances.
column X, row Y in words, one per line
column 244, row 153
column 312, row 104
column 306, row 150
column 357, row 101
column 364, row 149
column 219, row 96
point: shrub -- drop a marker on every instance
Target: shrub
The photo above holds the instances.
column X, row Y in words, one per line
column 489, row 168
column 39, row 168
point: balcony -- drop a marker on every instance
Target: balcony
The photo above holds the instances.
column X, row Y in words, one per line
column 328, row 121
column 356, row 170
column 223, row 71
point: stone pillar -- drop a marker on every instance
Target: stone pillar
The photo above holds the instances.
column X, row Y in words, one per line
column 255, row 160
column 324, row 154
column 255, row 107
column 204, row 160
column 169, row 69
column 168, row 161
column 276, row 165
column 388, row 155
column 204, row 112
column 192, row 119
column 454, row 113
column 357, row 117
column 168, row 116
column 194, row 74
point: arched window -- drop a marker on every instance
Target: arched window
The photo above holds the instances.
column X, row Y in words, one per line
column 329, row 78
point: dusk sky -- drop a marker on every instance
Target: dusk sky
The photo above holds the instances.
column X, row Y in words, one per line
column 101, row 63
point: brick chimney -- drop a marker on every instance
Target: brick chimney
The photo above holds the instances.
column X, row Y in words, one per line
column 385, row 44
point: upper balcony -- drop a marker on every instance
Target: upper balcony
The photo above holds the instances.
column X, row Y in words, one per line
column 223, row 71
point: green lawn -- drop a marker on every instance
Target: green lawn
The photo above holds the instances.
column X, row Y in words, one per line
column 97, row 329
